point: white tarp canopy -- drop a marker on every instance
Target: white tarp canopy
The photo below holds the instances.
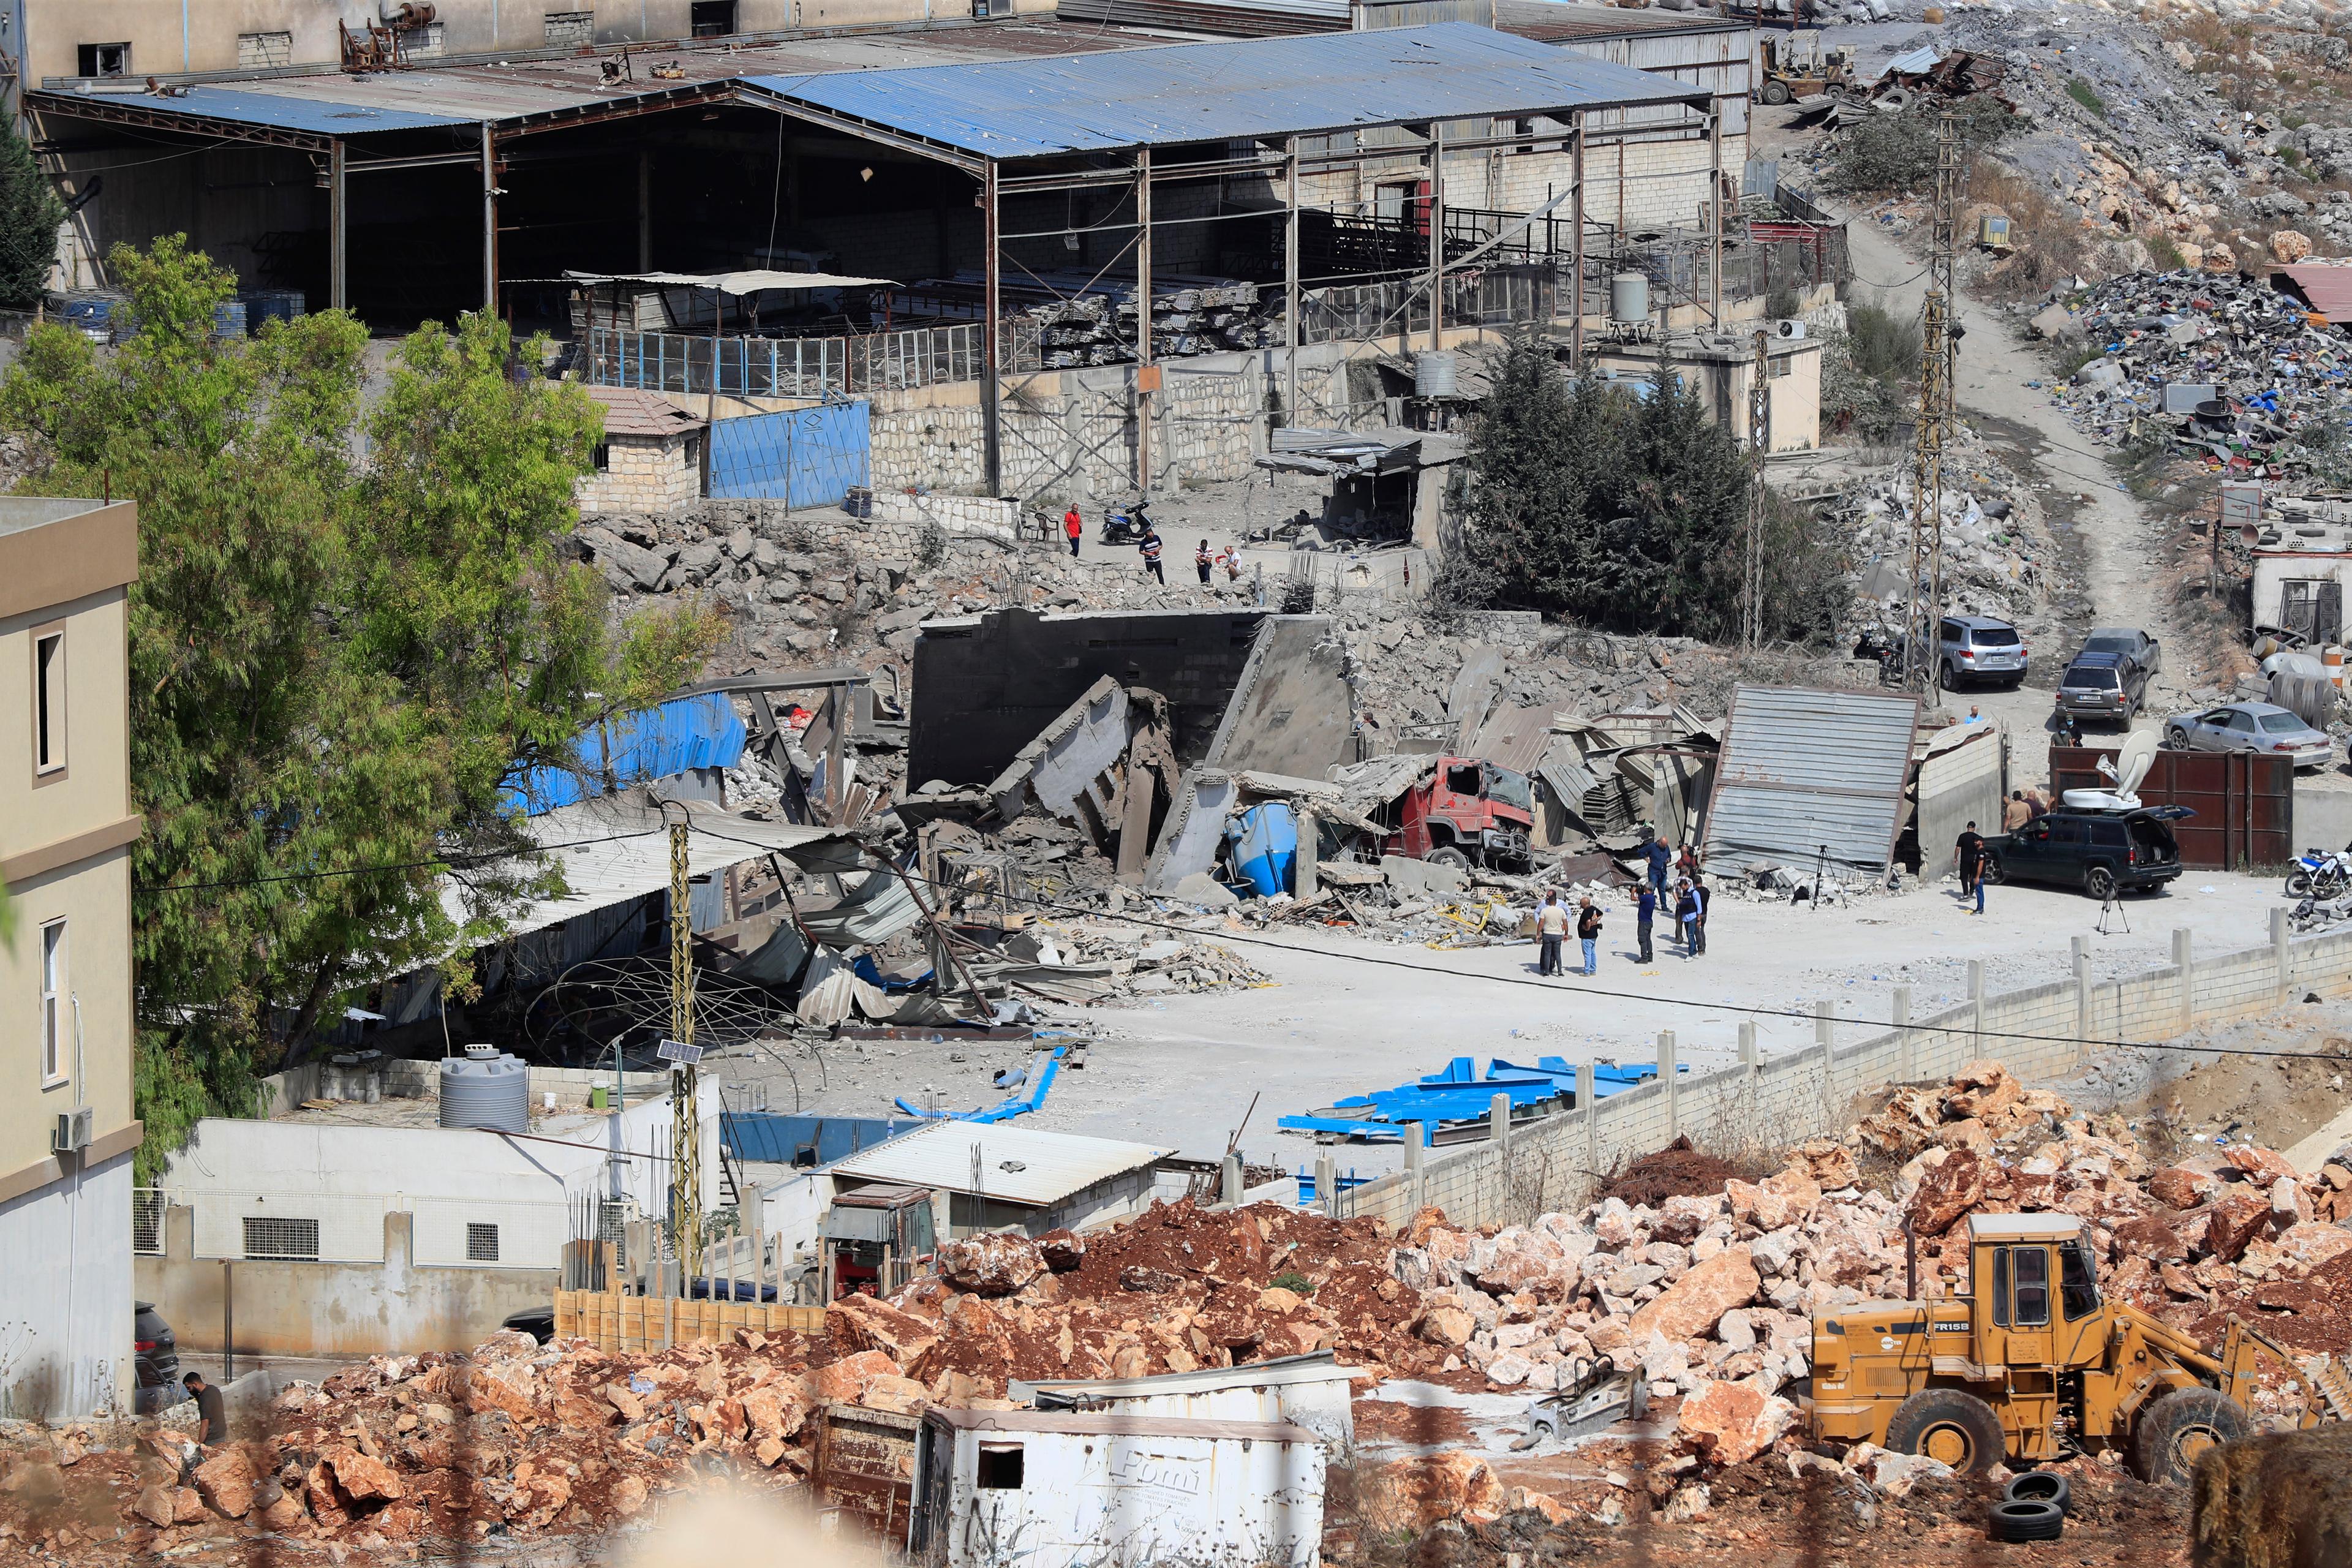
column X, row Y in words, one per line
column 755, row 281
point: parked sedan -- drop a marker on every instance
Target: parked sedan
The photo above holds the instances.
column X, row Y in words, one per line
column 2258, row 727
column 2103, row 686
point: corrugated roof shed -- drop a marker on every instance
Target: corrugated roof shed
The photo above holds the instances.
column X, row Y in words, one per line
column 1809, row 774
column 629, row 412
column 1248, row 89
column 2325, row 286
column 1017, row 1164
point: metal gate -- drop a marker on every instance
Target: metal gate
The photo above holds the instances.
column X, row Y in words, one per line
column 2245, row 803
column 806, row 457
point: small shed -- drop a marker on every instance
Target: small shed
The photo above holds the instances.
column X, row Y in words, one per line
column 1053, row 1489
column 1312, row 1390
column 1005, row 1176
column 650, row 459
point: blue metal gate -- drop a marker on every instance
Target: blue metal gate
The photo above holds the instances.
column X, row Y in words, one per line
column 806, row 457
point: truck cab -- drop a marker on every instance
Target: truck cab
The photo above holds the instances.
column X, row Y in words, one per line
column 1467, row 812
column 879, row 1236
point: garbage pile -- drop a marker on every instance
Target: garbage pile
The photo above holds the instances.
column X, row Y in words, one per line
column 2230, row 372
column 1995, row 563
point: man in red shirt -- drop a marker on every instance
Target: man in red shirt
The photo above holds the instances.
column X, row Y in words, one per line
column 1073, row 525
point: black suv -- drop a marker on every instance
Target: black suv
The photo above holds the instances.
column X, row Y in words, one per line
column 2101, row 852
column 157, row 1361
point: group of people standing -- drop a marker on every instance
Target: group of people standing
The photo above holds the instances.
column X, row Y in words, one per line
column 1686, row 901
column 1149, row 546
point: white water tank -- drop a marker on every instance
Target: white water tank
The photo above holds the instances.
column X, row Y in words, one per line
column 1629, row 298
column 486, row 1088
column 1434, row 375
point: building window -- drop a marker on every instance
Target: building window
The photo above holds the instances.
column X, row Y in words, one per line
column 268, row 1236
column 712, row 18
column 570, row 29
column 422, row 43
column 602, row 456
column 48, row 700
column 103, row 60
column 1000, row 1466
column 53, row 1003
column 1780, row 367
column 481, row 1243
column 264, row 51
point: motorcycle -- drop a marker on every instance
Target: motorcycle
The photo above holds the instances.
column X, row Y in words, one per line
column 1124, row 525
column 2320, row 874
column 1875, row 642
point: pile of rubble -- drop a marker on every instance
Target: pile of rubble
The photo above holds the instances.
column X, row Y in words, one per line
column 1999, row 560
column 2266, row 375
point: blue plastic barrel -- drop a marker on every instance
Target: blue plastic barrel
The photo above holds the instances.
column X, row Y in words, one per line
column 1264, row 840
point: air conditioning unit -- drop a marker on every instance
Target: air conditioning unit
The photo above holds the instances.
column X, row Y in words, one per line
column 1789, row 326
column 72, row 1132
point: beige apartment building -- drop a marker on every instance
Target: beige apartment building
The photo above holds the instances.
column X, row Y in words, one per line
column 136, row 38
column 66, row 1129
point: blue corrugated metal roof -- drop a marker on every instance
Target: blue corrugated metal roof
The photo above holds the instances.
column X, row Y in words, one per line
column 638, row 748
column 1208, row 92
column 286, row 111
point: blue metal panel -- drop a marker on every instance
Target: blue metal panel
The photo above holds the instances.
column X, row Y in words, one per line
column 1220, row 91
column 769, row 1139
column 807, row 457
column 1458, row 1094
column 636, row 747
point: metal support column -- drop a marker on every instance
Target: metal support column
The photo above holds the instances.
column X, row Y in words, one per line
column 991, row 450
column 1436, row 235
column 1576, row 332
column 339, row 263
column 489, row 222
column 1715, row 216
column 1290, row 281
column 1145, row 375
column 645, row 209
column 686, row 1133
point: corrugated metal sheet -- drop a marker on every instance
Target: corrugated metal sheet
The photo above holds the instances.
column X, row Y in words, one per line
column 1222, row 92
column 287, row 106
column 616, row 849
column 1959, row 781
column 1558, row 21
column 638, row 748
column 1050, row 1166
column 1809, row 774
column 1516, row 738
column 2325, row 287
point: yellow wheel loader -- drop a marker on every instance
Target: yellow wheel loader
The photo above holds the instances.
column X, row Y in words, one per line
column 2032, row 1366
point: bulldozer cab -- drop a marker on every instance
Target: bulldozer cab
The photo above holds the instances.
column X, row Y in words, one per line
column 2036, row 1292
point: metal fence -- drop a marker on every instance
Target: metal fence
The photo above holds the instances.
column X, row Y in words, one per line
column 785, row 367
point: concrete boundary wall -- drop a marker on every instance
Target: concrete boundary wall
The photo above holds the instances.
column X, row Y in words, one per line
column 2041, row 1031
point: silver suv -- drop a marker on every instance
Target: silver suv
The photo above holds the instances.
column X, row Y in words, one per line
column 1978, row 648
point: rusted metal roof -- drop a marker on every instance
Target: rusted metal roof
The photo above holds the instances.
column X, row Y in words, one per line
column 2325, row 286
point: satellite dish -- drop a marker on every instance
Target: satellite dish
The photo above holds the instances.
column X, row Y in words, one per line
column 2130, row 765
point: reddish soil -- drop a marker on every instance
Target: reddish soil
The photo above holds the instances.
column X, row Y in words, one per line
column 1425, row 1425
column 2313, row 1313
column 1677, row 1171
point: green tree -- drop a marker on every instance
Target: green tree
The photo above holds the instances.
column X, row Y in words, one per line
column 1624, row 511
column 30, row 213
column 334, row 663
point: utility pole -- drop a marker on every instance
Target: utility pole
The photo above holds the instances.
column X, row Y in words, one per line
column 686, row 1133
column 1759, row 442
column 1939, row 336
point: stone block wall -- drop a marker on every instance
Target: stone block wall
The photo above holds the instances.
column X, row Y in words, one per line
column 644, row 473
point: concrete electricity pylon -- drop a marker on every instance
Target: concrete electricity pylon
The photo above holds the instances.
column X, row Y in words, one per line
column 1938, row 339
column 1759, row 442
column 686, row 1133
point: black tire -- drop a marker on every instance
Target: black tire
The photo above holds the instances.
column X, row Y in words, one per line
column 2040, row 1486
column 1949, row 676
column 1956, row 1428
column 2298, row 886
column 2177, row 739
column 1776, row 94
column 2026, row 1521
column 2099, row 881
column 2175, row 1430
column 1449, row 856
column 1993, row 874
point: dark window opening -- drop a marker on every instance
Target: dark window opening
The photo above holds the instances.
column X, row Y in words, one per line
column 481, row 1243
column 2033, row 1265
column 1000, row 1466
column 103, row 60
column 2078, row 1285
column 2000, row 1286
column 1463, row 780
column 602, row 456
column 712, row 18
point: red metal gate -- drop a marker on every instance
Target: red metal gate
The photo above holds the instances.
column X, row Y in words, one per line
column 2244, row 804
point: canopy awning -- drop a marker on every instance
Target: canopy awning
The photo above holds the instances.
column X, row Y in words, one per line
column 757, row 280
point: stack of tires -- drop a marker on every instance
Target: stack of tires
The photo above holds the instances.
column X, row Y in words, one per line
column 2033, row 1506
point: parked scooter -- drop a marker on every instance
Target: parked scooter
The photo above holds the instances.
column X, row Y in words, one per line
column 1124, row 524
column 2320, row 874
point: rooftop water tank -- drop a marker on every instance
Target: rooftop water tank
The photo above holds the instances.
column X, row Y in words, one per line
column 1629, row 298
column 1434, row 375
column 486, row 1088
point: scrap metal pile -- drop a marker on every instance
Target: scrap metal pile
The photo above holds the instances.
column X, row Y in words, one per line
column 2232, row 371
column 1998, row 559
column 1081, row 317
